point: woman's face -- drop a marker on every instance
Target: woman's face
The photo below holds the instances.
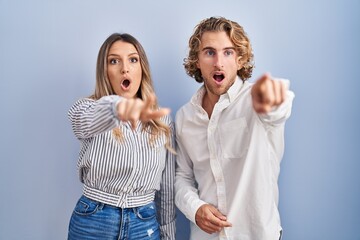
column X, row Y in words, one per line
column 124, row 69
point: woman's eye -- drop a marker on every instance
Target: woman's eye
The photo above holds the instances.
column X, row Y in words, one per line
column 134, row 60
column 114, row 61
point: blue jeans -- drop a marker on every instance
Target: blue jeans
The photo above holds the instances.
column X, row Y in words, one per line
column 92, row 220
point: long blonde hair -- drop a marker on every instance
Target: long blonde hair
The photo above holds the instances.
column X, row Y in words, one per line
column 104, row 88
column 237, row 36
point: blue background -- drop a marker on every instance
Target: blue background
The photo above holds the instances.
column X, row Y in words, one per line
column 48, row 52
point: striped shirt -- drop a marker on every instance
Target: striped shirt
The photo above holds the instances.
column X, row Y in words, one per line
column 129, row 173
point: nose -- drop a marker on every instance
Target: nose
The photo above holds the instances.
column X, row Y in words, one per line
column 125, row 68
column 218, row 61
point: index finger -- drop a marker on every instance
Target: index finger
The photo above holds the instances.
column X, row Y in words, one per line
column 264, row 77
column 149, row 102
column 158, row 113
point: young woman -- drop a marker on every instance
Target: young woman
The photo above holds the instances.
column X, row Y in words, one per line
column 126, row 160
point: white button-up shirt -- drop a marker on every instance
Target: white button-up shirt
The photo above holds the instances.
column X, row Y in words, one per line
column 231, row 161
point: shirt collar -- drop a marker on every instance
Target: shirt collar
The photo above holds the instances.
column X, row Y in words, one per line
column 234, row 90
column 230, row 95
column 198, row 96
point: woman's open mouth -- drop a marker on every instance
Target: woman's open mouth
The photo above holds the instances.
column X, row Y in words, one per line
column 125, row 84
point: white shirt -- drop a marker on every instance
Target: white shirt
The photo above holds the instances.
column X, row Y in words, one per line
column 231, row 161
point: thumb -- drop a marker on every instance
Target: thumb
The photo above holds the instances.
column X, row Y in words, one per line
column 218, row 214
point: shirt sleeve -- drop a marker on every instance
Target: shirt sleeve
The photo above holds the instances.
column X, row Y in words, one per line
column 186, row 194
column 90, row 117
column 165, row 196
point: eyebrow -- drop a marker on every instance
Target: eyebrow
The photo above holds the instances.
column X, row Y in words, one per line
column 211, row 48
column 116, row 55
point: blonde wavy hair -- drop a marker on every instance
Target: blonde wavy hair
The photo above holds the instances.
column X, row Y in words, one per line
column 104, row 88
column 237, row 36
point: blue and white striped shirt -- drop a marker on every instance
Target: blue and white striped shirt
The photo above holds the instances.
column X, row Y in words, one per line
column 125, row 174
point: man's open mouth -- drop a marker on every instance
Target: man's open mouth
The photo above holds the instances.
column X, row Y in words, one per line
column 218, row 77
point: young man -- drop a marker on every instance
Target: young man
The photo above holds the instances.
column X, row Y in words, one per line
column 230, row 139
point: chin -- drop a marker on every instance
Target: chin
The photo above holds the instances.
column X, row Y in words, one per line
column 128, row 95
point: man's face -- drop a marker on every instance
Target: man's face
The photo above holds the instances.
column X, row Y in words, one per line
column 218, row 62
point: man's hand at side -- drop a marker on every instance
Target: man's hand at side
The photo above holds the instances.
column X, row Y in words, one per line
column 211, row 220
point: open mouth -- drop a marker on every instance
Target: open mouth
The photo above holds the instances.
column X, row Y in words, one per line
column 218, row 77
column 125, row 84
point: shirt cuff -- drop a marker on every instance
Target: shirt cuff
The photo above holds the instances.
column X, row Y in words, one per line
column 114, row 107
column 168, row 231
column 193, row 209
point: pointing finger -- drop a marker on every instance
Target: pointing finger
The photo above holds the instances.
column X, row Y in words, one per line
column 149, row 102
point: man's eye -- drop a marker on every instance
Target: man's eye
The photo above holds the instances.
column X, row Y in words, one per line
column 210, row 52
column 134, row 60
column 228, row 53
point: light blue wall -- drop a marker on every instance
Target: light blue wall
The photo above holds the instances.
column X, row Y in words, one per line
column 48, row 51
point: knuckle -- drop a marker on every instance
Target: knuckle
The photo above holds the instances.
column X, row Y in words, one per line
column 129, row 101
column 133, row 116
column 139, row 102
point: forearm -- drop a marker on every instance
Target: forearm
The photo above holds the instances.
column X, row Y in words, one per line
column 186, row 194
column 89, row 117
column 187, row 198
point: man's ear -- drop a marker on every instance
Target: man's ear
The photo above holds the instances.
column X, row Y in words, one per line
column 239, row 62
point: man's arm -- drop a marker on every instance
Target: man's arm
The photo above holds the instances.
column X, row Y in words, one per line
column 187, row 199
column 186, row 194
